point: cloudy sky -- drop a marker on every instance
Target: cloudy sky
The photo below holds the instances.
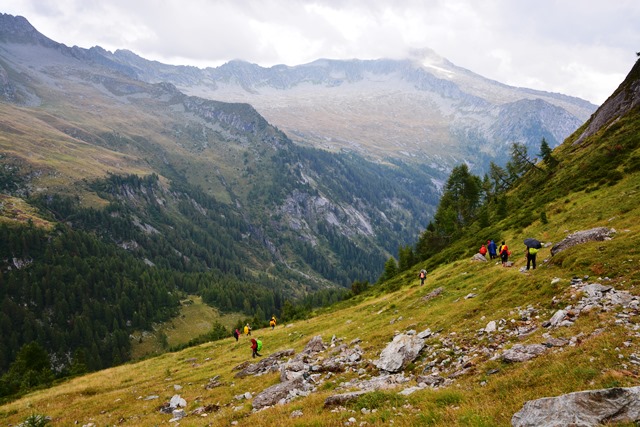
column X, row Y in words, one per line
column 583, row 48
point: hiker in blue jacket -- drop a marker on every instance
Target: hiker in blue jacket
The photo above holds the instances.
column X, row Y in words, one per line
column 493, row 250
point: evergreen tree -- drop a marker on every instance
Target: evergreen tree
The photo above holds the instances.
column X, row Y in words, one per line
column 406, row 258
column 547, row 155
column 390, row 270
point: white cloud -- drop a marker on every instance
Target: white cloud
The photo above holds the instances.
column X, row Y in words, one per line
column 577, row 47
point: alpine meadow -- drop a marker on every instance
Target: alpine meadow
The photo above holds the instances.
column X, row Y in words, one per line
column 148, row 211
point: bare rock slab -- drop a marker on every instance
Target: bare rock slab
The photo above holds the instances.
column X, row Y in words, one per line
column 579, row 237
column 401, row 351
column 274, row 394
column 581, row 409
column 522, row 353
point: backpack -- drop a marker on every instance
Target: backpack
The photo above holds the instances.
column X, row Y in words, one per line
column 259, row 345
column 533, row 251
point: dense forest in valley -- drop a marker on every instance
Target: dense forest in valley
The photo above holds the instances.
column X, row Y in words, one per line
column 80, row 289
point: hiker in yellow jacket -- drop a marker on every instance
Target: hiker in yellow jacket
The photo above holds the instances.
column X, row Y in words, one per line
column 272, row 322
column 247, row 329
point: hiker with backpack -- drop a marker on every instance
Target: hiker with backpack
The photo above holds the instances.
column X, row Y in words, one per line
column 531, row 257
column 504, row 254
column 422, row 275
column 256, row 346
column 247, row 329
column 236, row 334
column 272, row 322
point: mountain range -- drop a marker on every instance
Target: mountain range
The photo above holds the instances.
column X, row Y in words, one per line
column 422, row 109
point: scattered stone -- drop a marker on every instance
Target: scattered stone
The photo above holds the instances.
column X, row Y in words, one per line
column 314, row 346
column 381, row 382
column 425, row 334
column 555, row 342
column 178, row 414
column 266, row 365
column 297, row 414
column 522, row 353
column 479, row 257
column 429, row 380
column 579, row 237
column 471, row 295
column 177, row 402
column 584, row 408
column 341, row 399
column 152, row 397
column 491, row 327
column 557, row 318
column 555, row 280
column 207, row 409
column 434, row 293
column 292, row 370
column 213, row 383
column 410, row 390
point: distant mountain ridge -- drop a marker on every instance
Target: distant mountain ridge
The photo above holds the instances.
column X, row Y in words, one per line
column 423, row 109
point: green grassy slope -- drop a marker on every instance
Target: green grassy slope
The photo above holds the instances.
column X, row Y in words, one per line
column 489, row 391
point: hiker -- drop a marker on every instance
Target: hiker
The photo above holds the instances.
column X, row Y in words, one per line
column 531, row 257
column 255, row 347
column 236, row 334
column 491, row 246
column 504, row 253
column 483, row 250
column 422, row 275
column 247, row 329
column 272, row 322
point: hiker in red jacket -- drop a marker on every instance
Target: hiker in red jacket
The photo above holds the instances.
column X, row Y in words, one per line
column 254, row 347
column 483, row 250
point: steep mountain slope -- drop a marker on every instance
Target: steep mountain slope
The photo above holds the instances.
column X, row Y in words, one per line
column 182, row 194
column 424, row 109
column 493, row 337
column 68, row 119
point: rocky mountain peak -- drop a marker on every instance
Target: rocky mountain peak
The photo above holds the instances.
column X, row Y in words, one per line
column 16, row 29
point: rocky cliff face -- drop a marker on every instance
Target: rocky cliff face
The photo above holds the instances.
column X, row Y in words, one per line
column 623, row 100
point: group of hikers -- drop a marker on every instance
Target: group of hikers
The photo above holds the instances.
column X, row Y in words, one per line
column 503, row 252
column 256, row 344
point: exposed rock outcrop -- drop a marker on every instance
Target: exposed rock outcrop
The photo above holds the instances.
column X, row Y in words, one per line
column 584, row 408
column 579, row 237
column 279, row 392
